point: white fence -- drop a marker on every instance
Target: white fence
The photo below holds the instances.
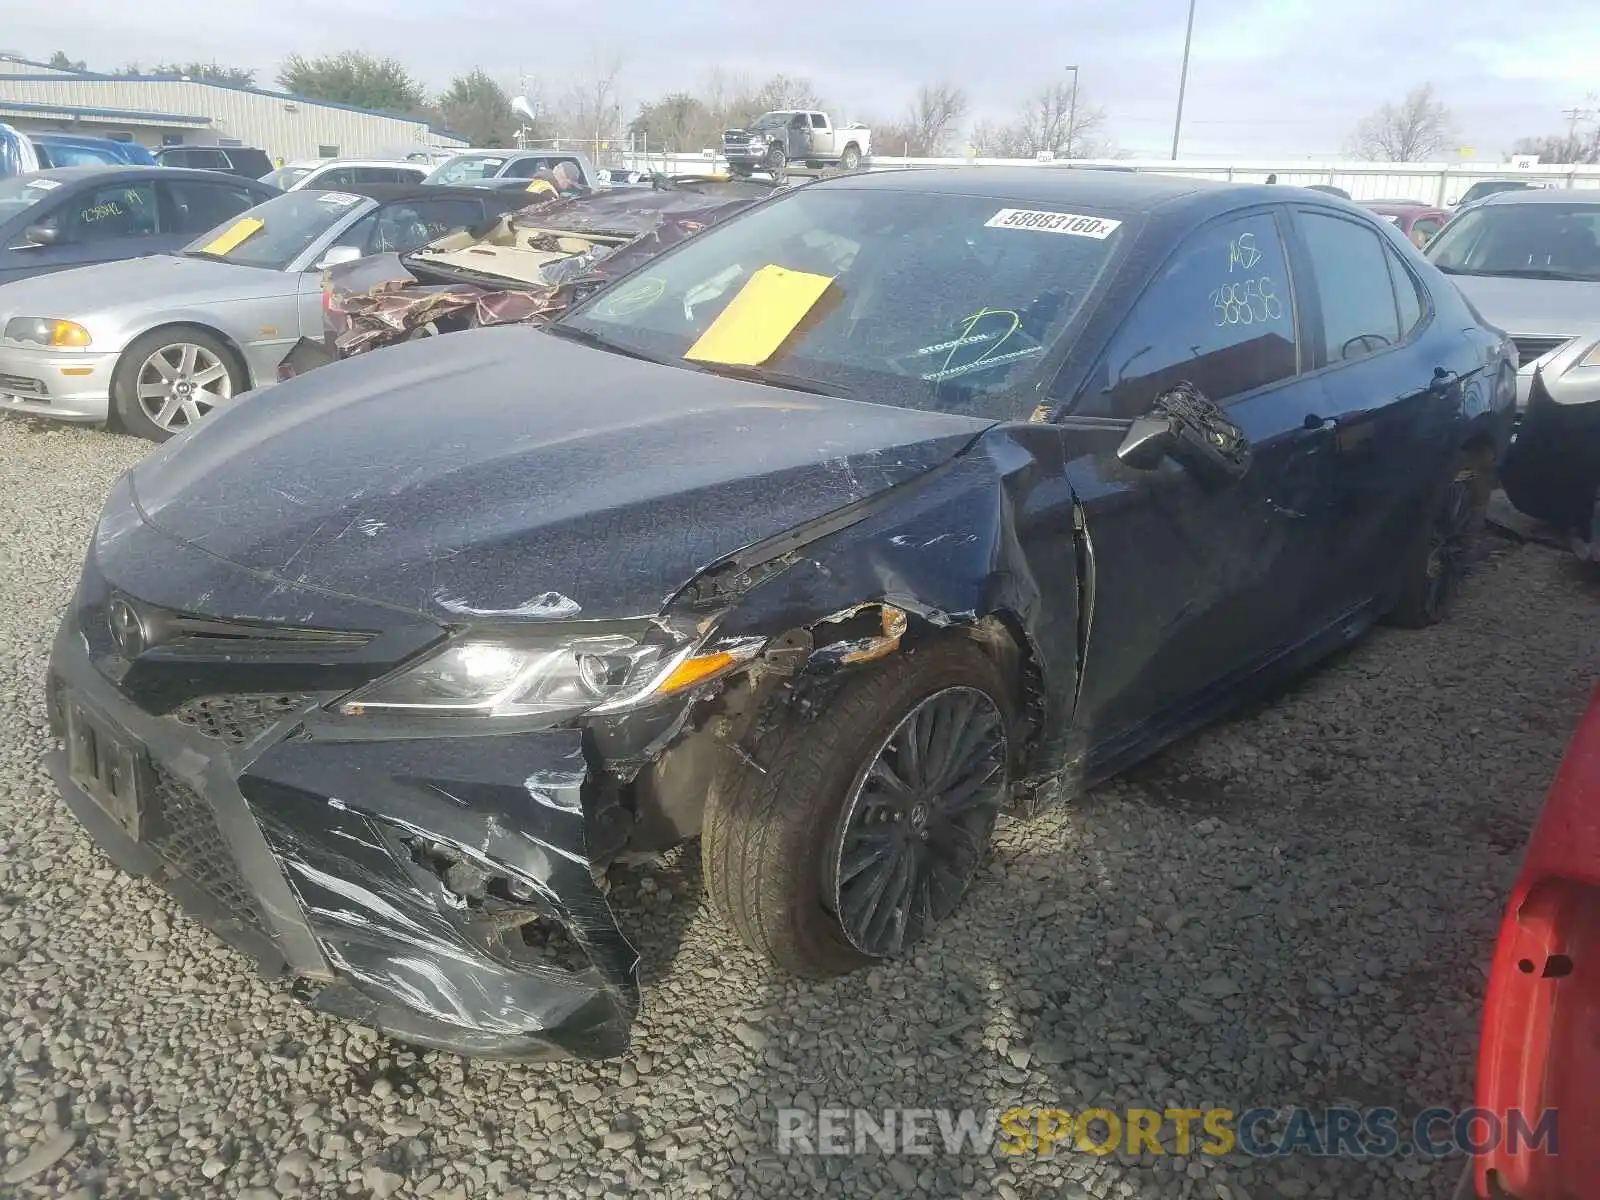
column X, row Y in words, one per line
column 1432, row 183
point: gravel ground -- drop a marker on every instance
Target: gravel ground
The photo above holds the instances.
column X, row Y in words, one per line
column 1294, row 907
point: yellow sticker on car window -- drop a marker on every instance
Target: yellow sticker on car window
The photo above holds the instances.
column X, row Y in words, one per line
column 234, row 236
column 766, row 310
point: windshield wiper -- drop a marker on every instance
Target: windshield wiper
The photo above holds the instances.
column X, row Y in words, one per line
column 587, row 337
column 1531, row 273
column 795, row 383
column 205, row 254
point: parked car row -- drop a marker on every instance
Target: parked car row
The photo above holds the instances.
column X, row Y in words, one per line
column 151, row 344
column 882, row 505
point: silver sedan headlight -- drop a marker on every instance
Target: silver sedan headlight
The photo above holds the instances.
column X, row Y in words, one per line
column 554, row 673
column 47, row 331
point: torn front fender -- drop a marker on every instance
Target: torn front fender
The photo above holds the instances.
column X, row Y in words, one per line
column 988, row 535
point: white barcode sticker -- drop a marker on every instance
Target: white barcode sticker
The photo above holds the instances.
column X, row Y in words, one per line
column 1074, row 224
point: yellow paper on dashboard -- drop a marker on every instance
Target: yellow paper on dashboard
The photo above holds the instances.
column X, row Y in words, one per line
column 234, row 236
column 767, row 309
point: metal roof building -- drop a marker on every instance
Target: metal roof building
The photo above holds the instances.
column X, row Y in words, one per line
column 172, row 110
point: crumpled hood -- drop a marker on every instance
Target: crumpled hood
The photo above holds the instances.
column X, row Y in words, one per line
column 1534, row 307
column 506, row 474
column 160, row 279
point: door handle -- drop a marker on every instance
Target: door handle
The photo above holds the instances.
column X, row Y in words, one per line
column 1444, row 379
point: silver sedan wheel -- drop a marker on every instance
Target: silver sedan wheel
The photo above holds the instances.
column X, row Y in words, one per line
column 180, row 383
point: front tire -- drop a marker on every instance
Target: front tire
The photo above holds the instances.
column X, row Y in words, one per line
column 170, row 378
column 777, row 164
column 871, row 817
column 1446, row 544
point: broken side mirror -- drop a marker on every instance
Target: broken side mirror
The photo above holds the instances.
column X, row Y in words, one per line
column 1192, row 431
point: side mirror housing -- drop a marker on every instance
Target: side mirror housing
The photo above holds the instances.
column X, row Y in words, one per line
column 46, row 233
column 337, row 255
column 1148, row 443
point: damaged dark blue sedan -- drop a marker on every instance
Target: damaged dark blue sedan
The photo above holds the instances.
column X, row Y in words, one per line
column 895, row 502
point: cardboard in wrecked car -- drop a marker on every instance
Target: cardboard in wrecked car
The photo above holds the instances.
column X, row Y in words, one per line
column 530, row 266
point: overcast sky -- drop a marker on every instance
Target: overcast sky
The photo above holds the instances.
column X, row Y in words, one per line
column 1282, row 78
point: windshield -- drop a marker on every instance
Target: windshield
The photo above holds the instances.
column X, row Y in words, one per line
column 285, row 178
column 1537, row 241
column 467, row 168
column 771, row 118
column 21, row 192
column 937, row 302
column 273, row 234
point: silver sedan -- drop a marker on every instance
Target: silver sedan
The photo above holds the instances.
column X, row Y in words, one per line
column 149, row 345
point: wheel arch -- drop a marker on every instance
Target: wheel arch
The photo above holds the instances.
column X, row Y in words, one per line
column 184, row 322
column 113, row 421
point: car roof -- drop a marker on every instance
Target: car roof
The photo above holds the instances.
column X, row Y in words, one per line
column 112, row 172
column 1133, row 192
column 1399, row 207
column 1544, row 196
column 319, row 163
column 385, row 193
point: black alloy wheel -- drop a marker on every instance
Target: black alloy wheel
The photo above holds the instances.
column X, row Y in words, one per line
column 914, row 829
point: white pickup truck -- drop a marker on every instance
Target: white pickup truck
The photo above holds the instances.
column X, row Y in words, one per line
column 776, row 139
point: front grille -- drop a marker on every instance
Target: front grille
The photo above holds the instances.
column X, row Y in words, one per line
column 235, row 720
column 187, row 837
column 1531, row 348
column 21, row 385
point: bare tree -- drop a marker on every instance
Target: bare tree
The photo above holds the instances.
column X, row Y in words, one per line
column 785, row 91
column 1579, row 148
column 1579, row 144
column 1413, row 130
column 1056, row 119
column 935, row 117
column 591, row 109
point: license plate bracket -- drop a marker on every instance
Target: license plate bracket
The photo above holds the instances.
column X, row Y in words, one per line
column 109, row 765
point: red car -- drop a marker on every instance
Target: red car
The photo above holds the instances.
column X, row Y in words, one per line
column 1540, row 1047
column 1418, row 221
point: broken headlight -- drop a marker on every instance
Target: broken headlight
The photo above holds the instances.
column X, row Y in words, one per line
column 551, row 673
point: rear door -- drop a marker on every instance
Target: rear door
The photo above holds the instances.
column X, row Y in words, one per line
column 1391, row 381
column 1197, row 584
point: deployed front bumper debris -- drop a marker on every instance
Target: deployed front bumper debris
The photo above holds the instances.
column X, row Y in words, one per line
column 531, row 266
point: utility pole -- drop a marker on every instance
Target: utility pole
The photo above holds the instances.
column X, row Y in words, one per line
column 1072, row 112
column 1183, row 82
column 1574, row 115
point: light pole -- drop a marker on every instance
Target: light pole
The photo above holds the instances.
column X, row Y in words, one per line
column 1183, row 82
column 1072, row 112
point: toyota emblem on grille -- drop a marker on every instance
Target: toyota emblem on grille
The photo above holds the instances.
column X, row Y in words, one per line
column 127, row 628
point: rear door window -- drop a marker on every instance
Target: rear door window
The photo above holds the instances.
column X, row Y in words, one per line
column 124, row 210
column 1220, row 315
column 207, row 160
column 195, row 206
column 1355, row 291
column 1409, row 296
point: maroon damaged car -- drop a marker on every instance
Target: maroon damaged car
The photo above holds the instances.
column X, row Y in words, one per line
column 1414, row 218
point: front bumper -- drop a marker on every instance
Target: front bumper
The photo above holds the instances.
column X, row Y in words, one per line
column 37, row 381
column 438, row 889
column 1552, row 469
